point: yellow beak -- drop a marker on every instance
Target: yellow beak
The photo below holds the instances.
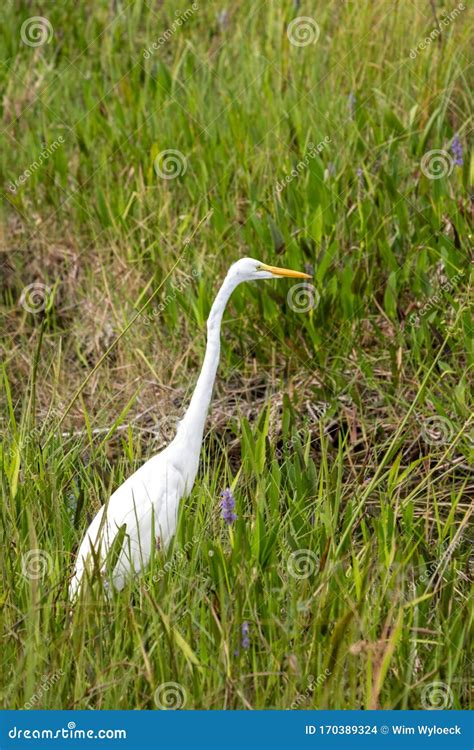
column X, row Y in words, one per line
column 284, row 272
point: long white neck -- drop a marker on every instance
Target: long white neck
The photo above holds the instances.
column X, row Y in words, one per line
column 192, row 424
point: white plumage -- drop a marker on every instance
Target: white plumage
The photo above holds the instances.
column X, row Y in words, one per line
column 144, row 509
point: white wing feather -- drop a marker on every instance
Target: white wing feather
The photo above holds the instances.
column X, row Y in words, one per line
column 147, row 505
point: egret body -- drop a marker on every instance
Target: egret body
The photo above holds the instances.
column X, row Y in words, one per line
column 144, row 509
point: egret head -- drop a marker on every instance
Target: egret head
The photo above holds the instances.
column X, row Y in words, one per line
column 249, row 269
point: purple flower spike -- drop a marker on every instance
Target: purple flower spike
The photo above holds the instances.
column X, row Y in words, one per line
column 245, row 635
column 456, row 148
column 228, row 507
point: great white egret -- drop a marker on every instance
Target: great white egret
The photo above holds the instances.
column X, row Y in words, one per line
column 143, row 511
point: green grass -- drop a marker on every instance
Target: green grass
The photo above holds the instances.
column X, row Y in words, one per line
column 345, row 431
